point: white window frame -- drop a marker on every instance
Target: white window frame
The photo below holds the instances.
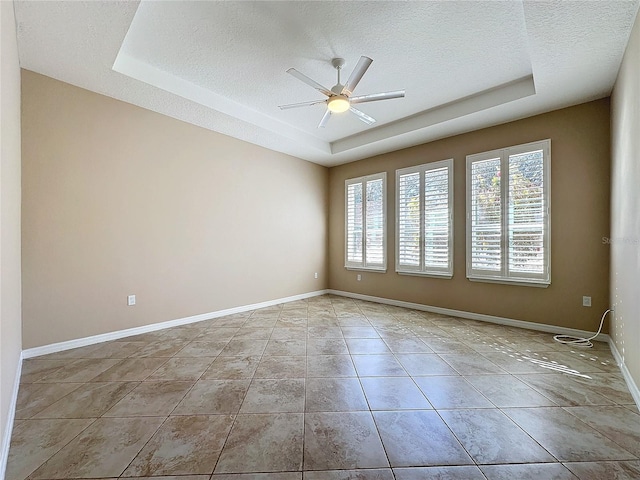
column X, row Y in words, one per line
column 504, row 276
column 422, row 269
column 363, row 265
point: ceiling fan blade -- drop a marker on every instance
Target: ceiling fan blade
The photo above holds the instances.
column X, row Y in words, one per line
column 356, row 75
column 325, row 119
column 363, row 116
column 373, row 97
column 312, row 83
column 301, row 104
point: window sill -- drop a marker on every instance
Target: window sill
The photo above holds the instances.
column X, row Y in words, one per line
column 444, row 275
column 367, row 269
column 521, row 282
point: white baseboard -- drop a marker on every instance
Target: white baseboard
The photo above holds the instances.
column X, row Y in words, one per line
column 631, row 384
column 11, row 414
column 105, row 337
column 474, row 316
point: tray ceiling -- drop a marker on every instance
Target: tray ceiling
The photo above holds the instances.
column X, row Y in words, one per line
column 221, row 65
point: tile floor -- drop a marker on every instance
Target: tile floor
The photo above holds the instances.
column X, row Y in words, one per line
column 327, row 389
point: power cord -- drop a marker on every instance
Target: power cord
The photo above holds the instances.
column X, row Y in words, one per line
column 578, row 341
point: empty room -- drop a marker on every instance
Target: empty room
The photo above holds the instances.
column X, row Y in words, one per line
column 318, row 240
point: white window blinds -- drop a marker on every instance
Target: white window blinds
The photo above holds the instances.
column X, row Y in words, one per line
column 508, row 221
column 424, row 233
column 365, row 243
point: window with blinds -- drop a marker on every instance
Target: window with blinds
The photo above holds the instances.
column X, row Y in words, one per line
column 508, row 214
column 424, row 211
column 365, row 222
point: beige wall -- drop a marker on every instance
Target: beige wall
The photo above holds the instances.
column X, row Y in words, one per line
column 119, row 200
column 625, row 207
column 10, row 336
column 580, row 218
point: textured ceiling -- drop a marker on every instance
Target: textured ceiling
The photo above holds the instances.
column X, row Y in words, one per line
column 221, row 65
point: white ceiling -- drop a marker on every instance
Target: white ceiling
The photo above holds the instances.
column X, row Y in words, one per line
column 221, row 65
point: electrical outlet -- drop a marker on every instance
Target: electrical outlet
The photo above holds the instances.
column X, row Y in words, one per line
column 586, row 301
column 315, row 275
column 131, row 300
column 359, row 277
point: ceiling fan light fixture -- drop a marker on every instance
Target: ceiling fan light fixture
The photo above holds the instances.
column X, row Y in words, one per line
column 338, row 104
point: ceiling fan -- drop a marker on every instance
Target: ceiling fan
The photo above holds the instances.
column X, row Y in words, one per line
column 340, row 97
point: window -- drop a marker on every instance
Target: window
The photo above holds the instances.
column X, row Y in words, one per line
column 508, row 214
column 366, row 219
column 424, row 209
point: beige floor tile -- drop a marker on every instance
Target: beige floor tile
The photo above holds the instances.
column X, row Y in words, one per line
column 531, row 471
column 90, row 400
column 362, row 346
column 232, row 368
column 611, row 386
column 393, row 393
column 282, row 367
column 353, row 321
column 378, row 366
column 407, row 345
column 447, row 345
column 334, row 395
column 263, row 443
column 258, row 476
column 35, row 397
column 471, row 364
column 617, row 423
column 230, row 321
column 564, row 390
column 168, row 477
column 209, row 397
column 33, row 442
column 368, row 474
column 186, row 332
column 330, row 366
column 275, row 396
column 217, row 334
column 74, row 353
column 182, row 369
column 358, row 369
column 102, row 450
column 289, row 332
column 323, row 321
column 508, row 391
column 359, row 332
column 286, row 347
column 491, row 437
column 260, row 322
column 425, row 364
column 286, row 321
column 466, row 472
column 418, row 438
column 130, row 370
column 249, row 333
column 183, row 445
column 166, row 347
column 515, row 362
column 117, row 349
column 244, row 347
column 342, row 441
column 33, row 369
column 325, row 332
column 83, row 370
column 327, row 346
column 151, row 399
column 451, row 392
column 606, row 470
column 198, row 348
column 565, row 436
